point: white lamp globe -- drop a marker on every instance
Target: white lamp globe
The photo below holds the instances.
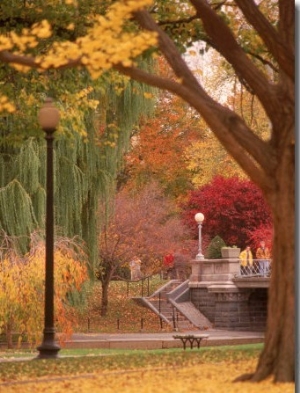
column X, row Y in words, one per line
column 199, row 217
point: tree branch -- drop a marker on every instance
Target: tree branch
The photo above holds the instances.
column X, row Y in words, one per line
column 282, row 52
column 263, row 61
column 29, row 61
column 226, row 44
column 177, row 21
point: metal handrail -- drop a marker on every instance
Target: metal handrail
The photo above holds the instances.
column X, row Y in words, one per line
column 258, row 268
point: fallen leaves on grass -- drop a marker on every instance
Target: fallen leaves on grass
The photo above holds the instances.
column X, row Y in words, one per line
column 204, row 378
column 123, row 315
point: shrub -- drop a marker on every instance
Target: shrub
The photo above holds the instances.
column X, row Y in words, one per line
column 213, row 250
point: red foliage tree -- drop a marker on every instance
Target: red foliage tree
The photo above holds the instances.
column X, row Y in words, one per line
column 141, row 225
column 233, row 209
column 263, row 232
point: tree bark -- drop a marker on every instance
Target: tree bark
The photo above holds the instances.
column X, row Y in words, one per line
column 270, row 164
column 278, row 356
column 9, row 334
column 104, row 298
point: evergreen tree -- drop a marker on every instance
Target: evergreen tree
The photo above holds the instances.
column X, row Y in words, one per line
column 213, row 250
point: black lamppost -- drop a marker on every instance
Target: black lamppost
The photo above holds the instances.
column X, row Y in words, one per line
column 48, row 118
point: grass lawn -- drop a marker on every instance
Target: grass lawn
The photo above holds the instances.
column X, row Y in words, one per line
column 209, row 370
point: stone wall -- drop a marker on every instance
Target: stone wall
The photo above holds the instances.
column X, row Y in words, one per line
column 217, row 295
column 242, row 310
column 258, row 302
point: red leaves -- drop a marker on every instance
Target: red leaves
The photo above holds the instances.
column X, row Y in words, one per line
column 233, row 209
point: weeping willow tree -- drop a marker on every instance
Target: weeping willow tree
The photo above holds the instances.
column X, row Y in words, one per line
column 89, row 147
column 97, row 117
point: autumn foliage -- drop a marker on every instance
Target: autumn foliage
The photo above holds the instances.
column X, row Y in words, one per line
column 141, row 224
column 158, row 149
column 233, row 209
column 22, row 281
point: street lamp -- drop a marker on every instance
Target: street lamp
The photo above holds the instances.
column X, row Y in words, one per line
column 48, row 118
column 199, row 217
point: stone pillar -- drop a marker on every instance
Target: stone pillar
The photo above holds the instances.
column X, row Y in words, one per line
column 195, row 274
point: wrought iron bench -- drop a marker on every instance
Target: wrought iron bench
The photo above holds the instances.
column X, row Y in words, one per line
column 191, row 338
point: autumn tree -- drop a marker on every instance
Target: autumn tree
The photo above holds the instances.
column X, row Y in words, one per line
column 262, row 232
column 233, row 209
column 266, row 162
column 22, row 288
column 139, row 224
column 252, row 38
column 158, row 147
column 207, row 158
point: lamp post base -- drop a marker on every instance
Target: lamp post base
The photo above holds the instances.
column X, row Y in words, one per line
column 49, row 348
column 48, row 351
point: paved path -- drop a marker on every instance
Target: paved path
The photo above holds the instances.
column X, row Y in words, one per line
column 152, row 340
column 160, row 340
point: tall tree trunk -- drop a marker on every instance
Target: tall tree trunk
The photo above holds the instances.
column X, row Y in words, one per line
column 104, row 298
column 278, row 355
column 9, row 334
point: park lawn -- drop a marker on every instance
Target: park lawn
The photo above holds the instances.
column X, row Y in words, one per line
column 162, row 371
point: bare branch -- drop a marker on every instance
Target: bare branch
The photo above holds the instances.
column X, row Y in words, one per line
column 263, row 61
column 177, row 21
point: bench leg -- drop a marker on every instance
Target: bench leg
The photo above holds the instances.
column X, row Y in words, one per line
column 191, row 342
column 199, row 342
column 184, row 343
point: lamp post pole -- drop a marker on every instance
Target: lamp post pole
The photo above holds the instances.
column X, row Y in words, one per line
column 199, row 217
column 48, row 119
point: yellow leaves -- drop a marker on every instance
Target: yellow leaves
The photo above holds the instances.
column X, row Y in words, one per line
column 71, row 26
column 21, row 68
column 6, row 106
column 106, row 44
column 207, row 158
column 112, row 39
column 192, row 52
column 148, row 95
column 5, row 43
column 42, row 29
column 22, row 290
column 27, row 38
column 204, row 378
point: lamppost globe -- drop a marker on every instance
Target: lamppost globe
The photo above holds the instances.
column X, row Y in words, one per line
column 199, row 218
column 48, row 118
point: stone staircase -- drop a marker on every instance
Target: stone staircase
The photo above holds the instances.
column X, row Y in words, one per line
column 171, row 303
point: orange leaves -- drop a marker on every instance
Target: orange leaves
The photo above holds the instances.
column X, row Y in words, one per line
column 158, row 150
column 22, row 291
